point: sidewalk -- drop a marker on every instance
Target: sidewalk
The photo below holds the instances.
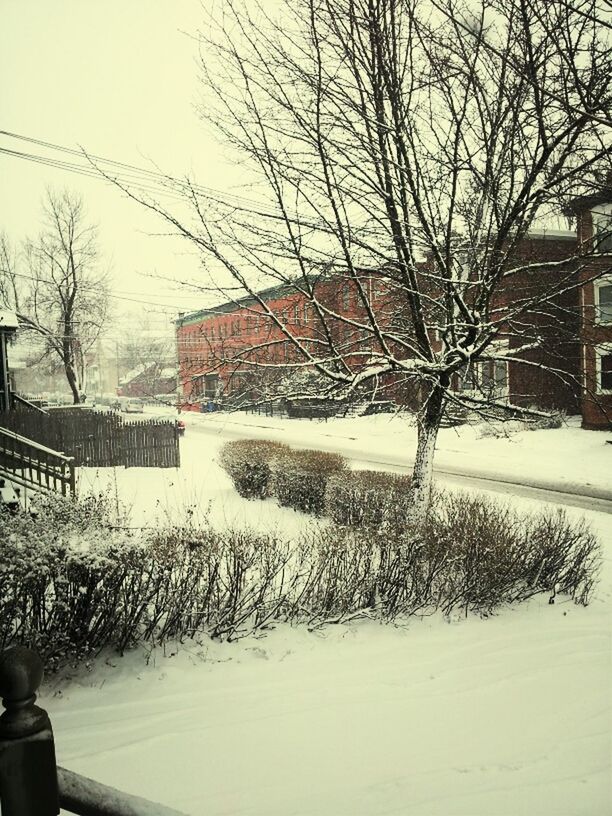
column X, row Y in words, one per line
column 566, row 460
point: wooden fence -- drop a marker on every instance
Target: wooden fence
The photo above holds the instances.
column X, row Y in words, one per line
column 97, row 439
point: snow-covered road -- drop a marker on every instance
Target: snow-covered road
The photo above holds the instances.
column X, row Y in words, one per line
column 467, row 471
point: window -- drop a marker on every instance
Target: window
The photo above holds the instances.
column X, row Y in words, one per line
column 602, row 228
column 296, row 314
column 468, row 381
column 604, row 369
column 346, row 296
column 306, row 310
column 487, row 377
column 603, row 301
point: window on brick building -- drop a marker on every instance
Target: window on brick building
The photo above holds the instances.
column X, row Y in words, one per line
column 486, row 377
column 306, row 312
column 346, row 296
column 604, row 369
column 603, row 301
column 602, row 228
column 296, row 314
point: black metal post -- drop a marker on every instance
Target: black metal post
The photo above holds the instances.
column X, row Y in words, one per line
column 28, row 773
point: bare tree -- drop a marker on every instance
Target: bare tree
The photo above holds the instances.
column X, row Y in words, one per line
column 147, row 352
column 57, row 289
column 407, row 148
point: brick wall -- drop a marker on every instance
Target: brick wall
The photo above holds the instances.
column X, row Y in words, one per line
column 207, row 341
column 596, row 406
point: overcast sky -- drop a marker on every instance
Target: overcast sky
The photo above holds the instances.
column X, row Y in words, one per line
column 119, row 78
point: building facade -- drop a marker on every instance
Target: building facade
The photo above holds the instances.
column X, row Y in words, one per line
column 594, row 225
column 570, row 369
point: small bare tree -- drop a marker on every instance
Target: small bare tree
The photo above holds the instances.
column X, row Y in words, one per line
column 413, row 145
column 146, row 352
column 57, row 289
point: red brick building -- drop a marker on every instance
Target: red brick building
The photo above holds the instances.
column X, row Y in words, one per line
column 570, row 369
column 594, row 225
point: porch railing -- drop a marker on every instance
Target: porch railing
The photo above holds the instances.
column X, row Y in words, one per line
column 31, row 784
column 31, row 464
column 21, row 402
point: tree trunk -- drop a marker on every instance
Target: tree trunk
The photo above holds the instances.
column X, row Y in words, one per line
column 428, row 421
column 72, row 382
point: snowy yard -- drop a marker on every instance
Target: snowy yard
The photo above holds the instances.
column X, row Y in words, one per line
column 504, row 715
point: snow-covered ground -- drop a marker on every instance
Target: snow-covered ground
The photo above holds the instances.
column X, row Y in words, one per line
column 566, row 458
column 505, row 715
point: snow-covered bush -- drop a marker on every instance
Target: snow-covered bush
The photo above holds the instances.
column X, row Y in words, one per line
column 367, row 497
column 61, row 572
column 300, row 478
column 471, row 555
column 506, row 427
column 248, row 464
column 72, row 584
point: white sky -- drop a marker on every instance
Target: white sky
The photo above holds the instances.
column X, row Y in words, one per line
column 120, row 79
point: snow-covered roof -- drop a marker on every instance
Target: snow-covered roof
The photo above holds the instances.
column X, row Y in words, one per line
column 8, row 320
column 131, row 375
column 164, row 373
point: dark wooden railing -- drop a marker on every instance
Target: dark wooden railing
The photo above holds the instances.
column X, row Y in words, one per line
column 31, row 784
column 23, row 403
column 30, row 464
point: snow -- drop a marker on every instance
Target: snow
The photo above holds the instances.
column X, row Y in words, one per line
column 505, row 715
column 567, row 459
column 540, row 457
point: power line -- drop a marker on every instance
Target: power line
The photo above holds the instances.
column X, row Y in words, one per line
column 143, row 178
column 173, row 306
column 151, row 181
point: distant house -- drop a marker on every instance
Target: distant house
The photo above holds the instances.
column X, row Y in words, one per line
column 148, row 382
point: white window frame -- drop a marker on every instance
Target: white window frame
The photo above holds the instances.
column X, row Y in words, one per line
column 602, row 214
column 476, row 380
column 597, row 286
column 601, row 351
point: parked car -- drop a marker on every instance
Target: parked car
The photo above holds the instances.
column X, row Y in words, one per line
column 133, row 406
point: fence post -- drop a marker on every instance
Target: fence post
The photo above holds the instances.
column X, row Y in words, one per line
column 28, row 772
